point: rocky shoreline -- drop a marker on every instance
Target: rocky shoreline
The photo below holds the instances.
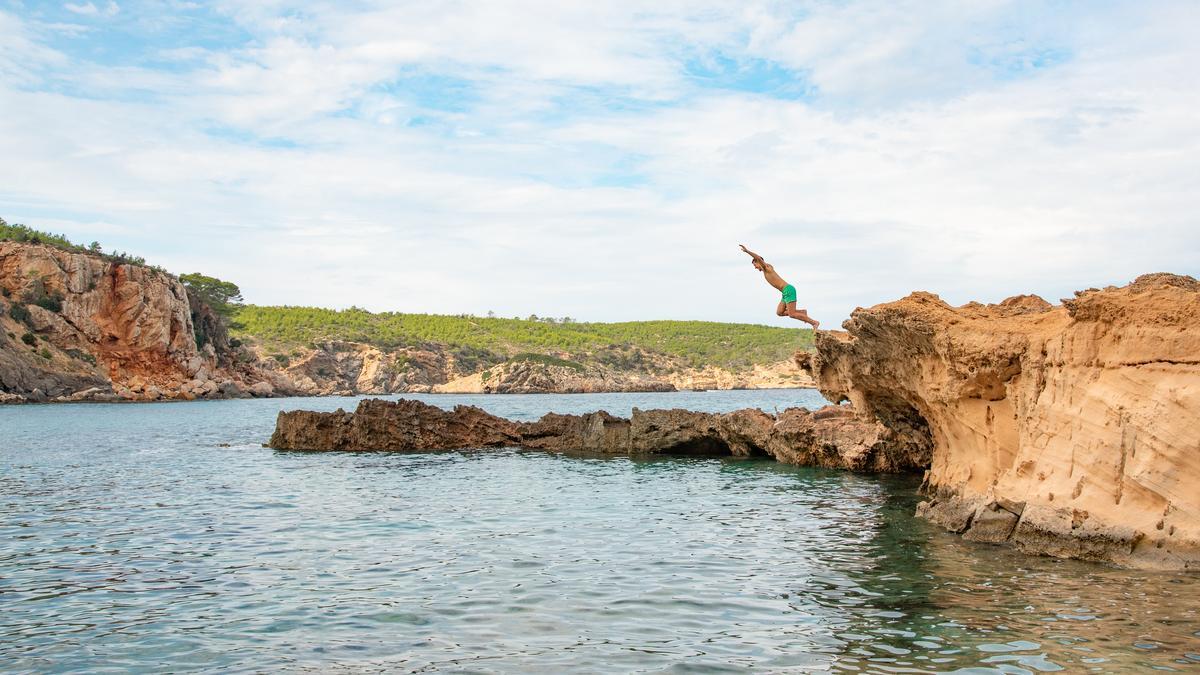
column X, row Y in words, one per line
column 832, row 437
column 1066, row 430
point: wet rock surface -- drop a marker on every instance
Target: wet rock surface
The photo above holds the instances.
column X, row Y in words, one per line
column 830, row 437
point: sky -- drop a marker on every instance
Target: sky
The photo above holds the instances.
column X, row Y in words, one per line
column 603, row 160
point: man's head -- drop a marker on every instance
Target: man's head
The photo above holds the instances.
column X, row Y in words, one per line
column 757, row 265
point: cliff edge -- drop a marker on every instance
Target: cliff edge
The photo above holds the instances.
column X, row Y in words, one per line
column 1069, row 430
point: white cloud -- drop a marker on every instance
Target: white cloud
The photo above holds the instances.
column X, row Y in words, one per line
column 943, row 151
column 90, row 9
column 87, row 9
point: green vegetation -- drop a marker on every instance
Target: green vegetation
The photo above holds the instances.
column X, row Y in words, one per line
column 19, row 313
column 38, row 295
column 488, row 341
column 26, row 234
column 45, row 354
column 223, row 296
column 548, row 360
column 29, row 339
column 80, row 355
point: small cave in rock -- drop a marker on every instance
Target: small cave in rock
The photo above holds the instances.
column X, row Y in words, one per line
column 700, row 447
column 912, row 438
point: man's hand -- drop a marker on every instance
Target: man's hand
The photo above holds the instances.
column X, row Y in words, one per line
column 756, row 257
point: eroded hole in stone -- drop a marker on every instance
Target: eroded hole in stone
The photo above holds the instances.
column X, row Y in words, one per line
column 704, row 447
column 911, row 435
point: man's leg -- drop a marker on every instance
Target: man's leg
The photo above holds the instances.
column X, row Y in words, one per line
column 781, row 310
column 802, row 315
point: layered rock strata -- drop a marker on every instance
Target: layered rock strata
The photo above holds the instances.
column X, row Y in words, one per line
column 1070, row 430
column 832, row 437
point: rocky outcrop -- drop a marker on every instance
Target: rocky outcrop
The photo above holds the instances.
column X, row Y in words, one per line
column 533, row 377
column 1070, row 430
column 831, row 437
column 354, row 368
column 345, row 368
column 393, row 426
column 77, row 326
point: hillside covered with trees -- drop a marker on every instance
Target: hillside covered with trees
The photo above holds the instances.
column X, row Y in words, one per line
column 732, row 346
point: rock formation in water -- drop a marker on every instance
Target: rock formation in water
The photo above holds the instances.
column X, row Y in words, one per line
column 78, row 326
column 832, row 437
column 1069, row 430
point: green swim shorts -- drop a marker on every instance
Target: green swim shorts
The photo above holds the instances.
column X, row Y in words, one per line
column 789, row 294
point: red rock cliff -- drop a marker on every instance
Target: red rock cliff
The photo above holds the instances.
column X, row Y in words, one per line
column 77, row 326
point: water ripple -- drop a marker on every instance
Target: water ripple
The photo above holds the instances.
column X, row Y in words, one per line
column 132, row 541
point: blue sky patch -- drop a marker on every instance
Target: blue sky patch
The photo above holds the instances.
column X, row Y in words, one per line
column 432, row 91
column 1017, row 60
column 717, row 70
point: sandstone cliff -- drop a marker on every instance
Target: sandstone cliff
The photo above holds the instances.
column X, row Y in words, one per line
column 78, row 326
column 1069, row 430
column 832, row 437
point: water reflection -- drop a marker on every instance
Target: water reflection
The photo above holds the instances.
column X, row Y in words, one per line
column 933, row 602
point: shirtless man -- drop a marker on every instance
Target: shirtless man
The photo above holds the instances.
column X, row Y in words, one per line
column 787, row 306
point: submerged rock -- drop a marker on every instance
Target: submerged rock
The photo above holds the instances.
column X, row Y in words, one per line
column 829, row 437
column 1069, row 430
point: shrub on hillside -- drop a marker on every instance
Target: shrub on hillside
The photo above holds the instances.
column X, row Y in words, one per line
column 80, row 355
column 19, row 313
column 548, row 360
column 29, row 339
column 39, row 295
column 51, row 302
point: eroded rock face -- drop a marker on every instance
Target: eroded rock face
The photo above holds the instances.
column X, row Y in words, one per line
column 1069, row 430
column 831, row 437
column 107, row 331
column 403, row 426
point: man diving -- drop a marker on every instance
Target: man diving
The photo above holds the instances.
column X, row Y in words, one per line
column 787, row 306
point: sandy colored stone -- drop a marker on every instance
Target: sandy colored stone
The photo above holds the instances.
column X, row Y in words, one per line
column 1089, row 407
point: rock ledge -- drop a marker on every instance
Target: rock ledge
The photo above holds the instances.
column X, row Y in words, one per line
column 831, row 437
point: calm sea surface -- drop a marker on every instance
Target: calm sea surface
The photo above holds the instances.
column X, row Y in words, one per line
column 132, row 539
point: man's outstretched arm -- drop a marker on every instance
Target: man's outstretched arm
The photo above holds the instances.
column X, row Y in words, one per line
column 755, row 256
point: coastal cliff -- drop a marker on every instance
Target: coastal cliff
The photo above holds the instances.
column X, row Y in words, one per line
column 1069, row 430
column 80, row 326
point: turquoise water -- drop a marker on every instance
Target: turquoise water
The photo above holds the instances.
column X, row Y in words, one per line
column 131, row 540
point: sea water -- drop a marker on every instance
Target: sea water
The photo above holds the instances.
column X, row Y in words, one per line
column 164, row 537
